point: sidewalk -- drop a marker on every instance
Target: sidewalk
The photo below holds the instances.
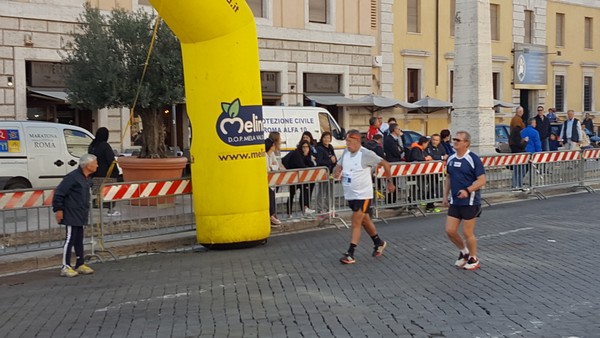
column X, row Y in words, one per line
column 540, row 267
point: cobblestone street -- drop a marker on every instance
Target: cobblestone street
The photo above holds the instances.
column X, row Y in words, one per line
column 539, row 277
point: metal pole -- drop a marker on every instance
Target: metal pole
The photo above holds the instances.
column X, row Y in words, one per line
column 174, row 125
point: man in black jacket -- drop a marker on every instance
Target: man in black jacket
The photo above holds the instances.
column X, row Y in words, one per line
column 71, row 205
column 543, row 127
column 375, row 145
column 392, row 144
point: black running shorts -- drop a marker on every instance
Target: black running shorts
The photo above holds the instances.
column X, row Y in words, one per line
column 465, row 212
column 362, row 205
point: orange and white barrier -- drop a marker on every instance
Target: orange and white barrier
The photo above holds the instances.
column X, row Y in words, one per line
column 298, row 176
column 412, row 169
column 26, row 199
column 115, row 192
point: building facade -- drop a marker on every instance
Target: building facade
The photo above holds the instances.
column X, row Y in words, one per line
column 554, row 40
column 323, row 52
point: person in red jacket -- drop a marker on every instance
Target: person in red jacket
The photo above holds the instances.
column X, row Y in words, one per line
column 374, row 124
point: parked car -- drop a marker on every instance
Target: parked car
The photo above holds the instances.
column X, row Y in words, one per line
column 501, row 141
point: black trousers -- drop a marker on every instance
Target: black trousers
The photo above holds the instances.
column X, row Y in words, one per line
column 272, row 208
column 305, row 192
column 73, row 239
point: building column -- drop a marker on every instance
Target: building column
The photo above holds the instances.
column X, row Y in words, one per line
column 473, row 96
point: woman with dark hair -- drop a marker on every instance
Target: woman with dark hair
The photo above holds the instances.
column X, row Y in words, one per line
column 106, row 156
column 307, row 136
column 325, row 158
column 300, row 158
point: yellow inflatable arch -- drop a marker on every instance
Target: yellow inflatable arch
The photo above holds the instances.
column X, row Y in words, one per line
column 223, row 97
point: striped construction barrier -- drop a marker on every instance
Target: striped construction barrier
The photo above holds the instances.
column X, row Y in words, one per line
column 26, row 199
column 506, row 172
column 556, row 168
column 121, row 191
column 591, row 154
column 590, row 168
column 298, row 176
column 412, row 169
column 504, row 160
column 416, row 182
column 555, row 156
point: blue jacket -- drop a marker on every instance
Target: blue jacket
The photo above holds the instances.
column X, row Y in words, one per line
column 534, row 144
column 72, row 196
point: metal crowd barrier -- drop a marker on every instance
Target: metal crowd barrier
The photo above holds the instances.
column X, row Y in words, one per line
column 417, row 183
column 141, row 209
column 555, row 168
column 506, row 172
column 296, row 187
column 590, row 166
column 28, row 223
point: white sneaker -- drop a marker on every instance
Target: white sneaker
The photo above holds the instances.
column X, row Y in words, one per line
column 462, row 260
column 308, row 211
column 113, row 213
column 275, row 222
column 68, row 271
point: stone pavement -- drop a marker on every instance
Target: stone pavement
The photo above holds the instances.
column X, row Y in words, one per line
column 539, row 278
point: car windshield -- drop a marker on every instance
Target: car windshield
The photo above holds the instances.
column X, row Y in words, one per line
column 501, row 133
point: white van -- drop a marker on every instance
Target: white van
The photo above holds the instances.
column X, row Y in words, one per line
column 291, row 122
column 39, row 154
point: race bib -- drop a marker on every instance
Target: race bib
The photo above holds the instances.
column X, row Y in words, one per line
column 346, row 179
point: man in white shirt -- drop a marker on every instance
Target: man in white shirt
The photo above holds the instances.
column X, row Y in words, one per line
column 570, row 133
column 355, row 169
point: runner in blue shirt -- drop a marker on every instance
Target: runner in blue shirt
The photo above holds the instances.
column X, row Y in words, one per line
column 465, row 176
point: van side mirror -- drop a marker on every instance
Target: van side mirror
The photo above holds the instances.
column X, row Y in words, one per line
column 339, row 134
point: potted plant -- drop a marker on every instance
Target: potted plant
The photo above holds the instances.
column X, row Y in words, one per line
column 110, row 67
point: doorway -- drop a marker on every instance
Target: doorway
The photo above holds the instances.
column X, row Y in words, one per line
column 524, row 102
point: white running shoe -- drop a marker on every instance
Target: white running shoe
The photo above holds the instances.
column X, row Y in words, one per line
column 472, row 264
column 309, row 211
column 113, row 213
column 462, row 260
column 68, row 271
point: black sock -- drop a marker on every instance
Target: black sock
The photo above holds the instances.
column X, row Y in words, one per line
column 351, row 249
column 376, row 240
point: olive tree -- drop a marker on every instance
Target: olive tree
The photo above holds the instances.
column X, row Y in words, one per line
column 106, row 69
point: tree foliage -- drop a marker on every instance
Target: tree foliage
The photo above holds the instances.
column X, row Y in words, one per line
column 107, row 62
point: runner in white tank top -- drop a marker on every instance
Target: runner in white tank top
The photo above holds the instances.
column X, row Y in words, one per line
column 355, row 170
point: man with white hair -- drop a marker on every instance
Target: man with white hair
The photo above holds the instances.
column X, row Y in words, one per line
column 71, row 205
column 570, row 133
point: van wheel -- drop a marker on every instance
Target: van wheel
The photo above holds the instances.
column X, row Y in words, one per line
column 20, row 184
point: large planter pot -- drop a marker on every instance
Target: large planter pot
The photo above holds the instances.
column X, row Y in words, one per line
column 151, row 169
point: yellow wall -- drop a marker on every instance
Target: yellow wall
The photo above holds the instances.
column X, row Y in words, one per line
column 425, row 41
column 574, row 53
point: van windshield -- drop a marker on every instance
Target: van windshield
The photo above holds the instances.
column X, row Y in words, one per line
column 77, row 142
column 327, row 124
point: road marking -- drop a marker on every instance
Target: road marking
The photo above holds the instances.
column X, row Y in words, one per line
column 181, row 294
column 504, row 233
